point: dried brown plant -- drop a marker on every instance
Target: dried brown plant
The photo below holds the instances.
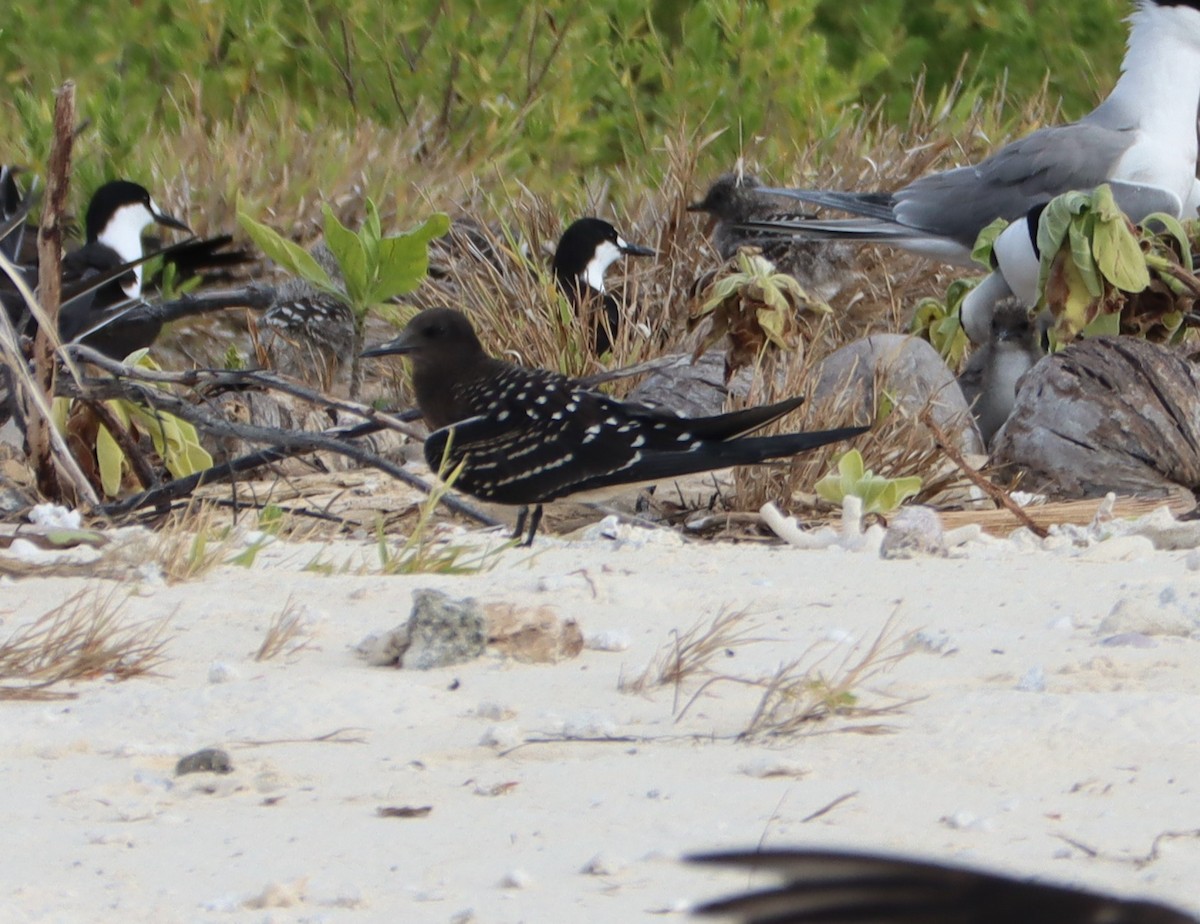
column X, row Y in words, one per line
column 691, row 652
column 82, row 638
column 800, row 693
column 287, row 633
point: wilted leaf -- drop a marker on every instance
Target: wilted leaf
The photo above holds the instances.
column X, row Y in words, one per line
column 985, row 241
column 1119, row 256
column 1079, row 235
column 1068, row 299
column 111, row 461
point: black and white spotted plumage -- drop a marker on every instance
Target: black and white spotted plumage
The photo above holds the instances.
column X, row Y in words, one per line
column 827, row 886
column 306, row 329
column 529, row 436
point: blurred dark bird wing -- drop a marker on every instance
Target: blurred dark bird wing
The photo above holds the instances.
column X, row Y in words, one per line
column 823, row 887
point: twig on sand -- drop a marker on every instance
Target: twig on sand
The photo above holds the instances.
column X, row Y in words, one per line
column 995, row 492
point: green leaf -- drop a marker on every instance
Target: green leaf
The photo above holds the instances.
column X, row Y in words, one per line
column 1105, row 324
column 293, row 258
column 1174, row 227
column 404, row 258
column 111, row 461
column 351, row 256
column 1053, row 229
column 1081, row 253
column 1119, row 255
column 981, row 253
column 878, row 494
column 372, row 229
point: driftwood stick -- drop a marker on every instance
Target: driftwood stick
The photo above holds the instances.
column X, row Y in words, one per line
column 995, row 492
column 120, row 433
column 185, row 486
column 50, row 236
column 611, row 375
column 226, row 378
column 279, row 439
column 254, row 296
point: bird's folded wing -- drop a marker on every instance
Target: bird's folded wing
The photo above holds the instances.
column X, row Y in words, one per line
column 828, row 886
column 959, row 203
column 1138, row 200
column 520, row 460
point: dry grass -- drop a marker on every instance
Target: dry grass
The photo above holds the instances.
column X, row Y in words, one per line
column 192, row 542
column 798, row 695
column 80, row 639
column 287, row 633
column 690, row 653
column 802, row 692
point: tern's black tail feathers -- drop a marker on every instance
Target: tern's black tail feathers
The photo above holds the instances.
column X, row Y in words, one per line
column 866, row 205
column 823, row 887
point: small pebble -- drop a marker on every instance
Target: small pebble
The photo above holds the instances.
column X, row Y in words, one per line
column 516, row 879
column 209, row 760
column 603, row 864
column 221, row 672
column 494, row 712
column 608, row 640
column 913, row 531
column 501, row 736
column 1033, row 681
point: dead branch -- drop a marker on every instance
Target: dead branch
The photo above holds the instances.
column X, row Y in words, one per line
column 50, row 237
column 996, row 493
column 120, row 433
column 135, row 388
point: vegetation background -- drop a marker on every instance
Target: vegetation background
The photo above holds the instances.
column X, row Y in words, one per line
column 287, row 101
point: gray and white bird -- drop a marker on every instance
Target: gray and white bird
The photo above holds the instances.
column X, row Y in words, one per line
column 528, row 436
column 827, row 886
column 989, row 379
column 735, row 198
column 1141, row 139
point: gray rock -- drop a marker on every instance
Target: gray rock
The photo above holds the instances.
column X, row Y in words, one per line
column 907, row 368
column 1106, row 414
column 692, row 389
column 208, row 760
column 910, row 371
column 1144, row 614
column 443, row 631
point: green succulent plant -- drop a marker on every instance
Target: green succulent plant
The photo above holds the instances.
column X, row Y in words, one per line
column 853, row 479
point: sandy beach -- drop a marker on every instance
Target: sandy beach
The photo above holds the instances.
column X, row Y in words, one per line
column 1015, row 733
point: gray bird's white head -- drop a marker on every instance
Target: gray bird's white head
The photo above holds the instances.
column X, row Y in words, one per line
column 1142, row 137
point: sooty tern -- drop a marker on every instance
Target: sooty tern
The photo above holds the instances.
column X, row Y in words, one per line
column 528, row 436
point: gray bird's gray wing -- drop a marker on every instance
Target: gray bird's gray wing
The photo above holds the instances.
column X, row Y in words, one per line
column 959, row 203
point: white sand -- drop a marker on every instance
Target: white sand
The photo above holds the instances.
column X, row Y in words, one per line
column 96, row 827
